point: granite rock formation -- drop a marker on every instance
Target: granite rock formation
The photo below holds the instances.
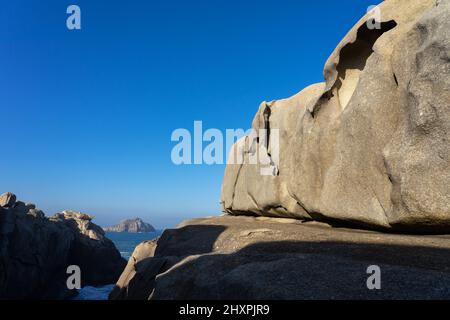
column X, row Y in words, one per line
column 369, row 146
column 36, row 250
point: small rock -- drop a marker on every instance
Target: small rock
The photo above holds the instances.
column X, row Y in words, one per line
column 69, row 214
column 31, row 206
column 20, row 208
column 7, row 199
column 36, row 213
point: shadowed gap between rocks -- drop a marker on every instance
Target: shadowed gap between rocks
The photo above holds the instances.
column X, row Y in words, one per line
column 172, row 241
column 345, row 224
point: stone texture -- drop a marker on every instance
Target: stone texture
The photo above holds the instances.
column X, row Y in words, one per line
column 370, row 146
column 7, row 200
column 274, row 258
column 35, row 252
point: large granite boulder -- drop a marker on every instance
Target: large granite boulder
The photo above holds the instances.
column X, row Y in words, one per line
column 369, row 146
column 246, row 258
column 35, row 252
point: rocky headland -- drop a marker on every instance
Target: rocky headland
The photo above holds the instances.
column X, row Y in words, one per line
column 134, row 225
column 366, row 149
column 35, row 252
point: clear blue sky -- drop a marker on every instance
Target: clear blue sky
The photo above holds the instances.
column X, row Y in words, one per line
column 87, row 115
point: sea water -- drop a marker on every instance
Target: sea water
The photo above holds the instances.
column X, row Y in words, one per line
column 125, row 242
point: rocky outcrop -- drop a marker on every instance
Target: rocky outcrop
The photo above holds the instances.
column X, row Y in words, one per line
column 35, row 252
column 131, row 225
column 370, row 145
column 239, row 258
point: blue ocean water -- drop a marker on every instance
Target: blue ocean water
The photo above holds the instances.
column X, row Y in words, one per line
column 125, row 243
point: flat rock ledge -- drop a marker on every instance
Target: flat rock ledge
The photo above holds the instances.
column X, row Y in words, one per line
column 273, row 258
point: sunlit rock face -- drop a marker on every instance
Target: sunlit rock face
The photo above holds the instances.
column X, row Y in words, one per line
column 370, row 145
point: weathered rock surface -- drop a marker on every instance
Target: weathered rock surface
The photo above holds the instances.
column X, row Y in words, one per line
column 7, row 200
column 369, row 146
column 35, row 252
column 131, row 225
column 274, row 258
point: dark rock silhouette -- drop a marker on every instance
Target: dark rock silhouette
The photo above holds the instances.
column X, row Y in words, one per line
column 35, row 252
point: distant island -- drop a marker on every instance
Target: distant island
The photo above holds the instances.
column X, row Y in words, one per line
column 134, row 225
